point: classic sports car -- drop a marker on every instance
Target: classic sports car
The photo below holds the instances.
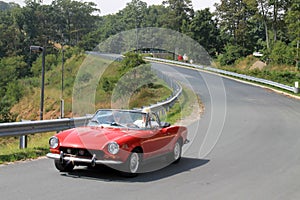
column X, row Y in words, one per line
column 121, row 139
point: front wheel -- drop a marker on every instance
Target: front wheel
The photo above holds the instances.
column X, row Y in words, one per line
column 63, row 167
column 132, row 165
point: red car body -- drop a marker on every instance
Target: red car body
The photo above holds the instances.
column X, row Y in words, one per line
column 115, row 144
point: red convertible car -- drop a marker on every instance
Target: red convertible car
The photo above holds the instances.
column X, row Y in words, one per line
column 121, row 139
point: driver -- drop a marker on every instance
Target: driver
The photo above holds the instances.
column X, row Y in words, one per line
column 142, row 122
column 146, row 118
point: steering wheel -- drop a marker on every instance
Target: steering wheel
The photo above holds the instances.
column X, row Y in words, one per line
column 131, row 125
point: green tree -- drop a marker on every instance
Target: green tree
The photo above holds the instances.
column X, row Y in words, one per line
column 156, row 15
column 235, row 18
column 134, row 14
column 204, row 30
column 74, row 18
column 134, row 75
column 10, row 34
column 5, row 114
column 271, row 13
column 293, row 23
column 231, row 54
column 11, row 70
column 10, row 90
column 130, row 61
column 281, row 53
column 7, row 6
column 50, row 62
column 180, row 13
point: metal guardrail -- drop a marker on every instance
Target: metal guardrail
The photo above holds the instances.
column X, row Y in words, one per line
column 233, row 74
column 31, row 127
column 160, row 107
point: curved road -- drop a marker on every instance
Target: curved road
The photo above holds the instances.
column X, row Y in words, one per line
column 245, row 146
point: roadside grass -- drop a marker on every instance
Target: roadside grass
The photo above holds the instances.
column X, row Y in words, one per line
column 284, row 77
column 37, row 146
column 284, row 74
column 183, row 107
column 147, row 96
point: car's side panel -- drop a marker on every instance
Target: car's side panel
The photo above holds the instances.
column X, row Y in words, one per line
column 153, row 144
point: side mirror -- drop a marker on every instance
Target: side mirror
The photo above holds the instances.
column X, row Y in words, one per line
column 165, row 124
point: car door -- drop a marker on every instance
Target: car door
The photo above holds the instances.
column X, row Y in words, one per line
column 159, row 138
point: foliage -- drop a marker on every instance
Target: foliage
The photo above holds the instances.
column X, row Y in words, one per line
column 179, row 13
column 130, row 61
column 293, row 25
column 281, row 54
column 37, row 146
column 133, row 75
column 232, row 53
column 278, row 75
column 234, row 19
column 204, row 30
column 10, row 89
column 50, row 61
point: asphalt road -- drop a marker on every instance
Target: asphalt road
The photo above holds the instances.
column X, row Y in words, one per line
column 245, row 146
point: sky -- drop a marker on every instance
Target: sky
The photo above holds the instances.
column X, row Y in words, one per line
column 113, row 6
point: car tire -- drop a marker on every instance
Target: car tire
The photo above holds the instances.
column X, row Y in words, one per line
column 132, row 164
column 64, row 167
column 176, row 153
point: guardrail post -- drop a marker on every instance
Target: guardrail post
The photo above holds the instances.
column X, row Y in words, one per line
column 23, row 142
column 296, row 88
column 23, row 139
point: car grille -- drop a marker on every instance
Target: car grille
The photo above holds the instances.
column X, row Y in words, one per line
column 87, row 153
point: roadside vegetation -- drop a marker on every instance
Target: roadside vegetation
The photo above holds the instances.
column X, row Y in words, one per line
column 37, row 147
column 252, row 66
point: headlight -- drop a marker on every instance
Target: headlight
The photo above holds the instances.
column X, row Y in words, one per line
column 53, row 142
column 113, row 148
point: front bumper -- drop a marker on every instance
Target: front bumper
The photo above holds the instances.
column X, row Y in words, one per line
column 93, row 161
column 186, row 141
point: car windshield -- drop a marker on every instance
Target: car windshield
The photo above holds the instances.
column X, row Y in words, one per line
column 118, row 118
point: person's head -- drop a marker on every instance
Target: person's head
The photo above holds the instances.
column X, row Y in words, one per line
column 146, row 111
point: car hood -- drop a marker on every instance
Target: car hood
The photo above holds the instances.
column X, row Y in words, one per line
column 90, row 137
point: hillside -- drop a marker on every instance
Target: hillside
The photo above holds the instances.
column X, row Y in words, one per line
column 28, row 107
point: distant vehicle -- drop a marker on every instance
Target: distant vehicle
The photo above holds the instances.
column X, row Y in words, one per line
column 112, row 137
column 257, row 54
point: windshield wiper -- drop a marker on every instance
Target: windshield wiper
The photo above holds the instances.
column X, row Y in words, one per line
column 95, row 121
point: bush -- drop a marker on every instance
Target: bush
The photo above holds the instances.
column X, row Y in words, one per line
column 131, row 61
column 50, row 61
column 232, row 53
column 108, row 83
column 281, row 54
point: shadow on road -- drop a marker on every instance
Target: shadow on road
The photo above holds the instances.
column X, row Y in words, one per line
column 103, row 173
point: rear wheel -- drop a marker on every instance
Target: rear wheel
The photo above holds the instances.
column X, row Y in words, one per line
column 176, row 153
column 64, row 167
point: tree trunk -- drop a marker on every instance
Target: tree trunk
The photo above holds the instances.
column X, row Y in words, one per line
column 265, row 23
column 275, row 13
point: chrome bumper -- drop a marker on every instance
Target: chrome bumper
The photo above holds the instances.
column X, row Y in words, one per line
column 186, row 141
column 92, row 161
